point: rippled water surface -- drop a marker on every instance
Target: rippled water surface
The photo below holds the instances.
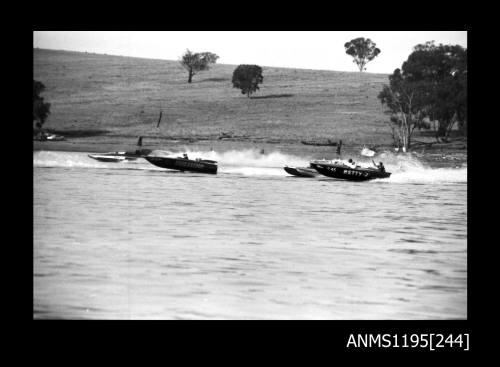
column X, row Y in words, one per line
column 132, row 241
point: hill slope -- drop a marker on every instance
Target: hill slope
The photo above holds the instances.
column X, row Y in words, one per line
column 122, row 96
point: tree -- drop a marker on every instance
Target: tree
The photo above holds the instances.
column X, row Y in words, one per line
column 41, row 109
column 431, row 86
column 247, row 78
column 362, row 50
column 195, row 62
column 444, row 70
column 406, row 102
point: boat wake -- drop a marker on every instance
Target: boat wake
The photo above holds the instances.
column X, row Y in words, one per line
column 409, row 168
column 405, row 168
column 428, row 175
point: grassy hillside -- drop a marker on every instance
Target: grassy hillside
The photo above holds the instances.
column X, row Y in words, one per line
column 110, row 98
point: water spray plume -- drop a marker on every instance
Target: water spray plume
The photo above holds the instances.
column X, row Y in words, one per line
column 252, row 162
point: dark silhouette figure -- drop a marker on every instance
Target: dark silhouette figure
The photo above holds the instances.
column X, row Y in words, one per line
column 380, row 166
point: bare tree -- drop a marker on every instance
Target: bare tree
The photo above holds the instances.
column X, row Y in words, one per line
column 195, row 62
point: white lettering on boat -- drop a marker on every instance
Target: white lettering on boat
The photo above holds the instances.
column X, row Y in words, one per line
column 348, row 171
column 189, row 164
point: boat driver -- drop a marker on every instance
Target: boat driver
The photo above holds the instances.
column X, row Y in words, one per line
column 185, row 156
column 380, row 166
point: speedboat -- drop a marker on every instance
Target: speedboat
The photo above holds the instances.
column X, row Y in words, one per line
column 113, row 156
column 183, row 164
column 301, row 171
column 342, row 171
column 120, row 156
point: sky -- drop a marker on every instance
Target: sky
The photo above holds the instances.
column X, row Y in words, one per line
column 321, row 50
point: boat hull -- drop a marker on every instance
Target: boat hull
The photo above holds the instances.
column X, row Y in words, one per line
column 346, row 173
column 301, row 171
column 182, row 164
column 111, row 157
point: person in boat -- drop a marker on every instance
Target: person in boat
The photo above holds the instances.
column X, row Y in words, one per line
column 380, row 166
column 351, row 163
column 185, row 156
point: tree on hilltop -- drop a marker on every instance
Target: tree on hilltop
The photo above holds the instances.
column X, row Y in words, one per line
column 247, row 78
column 362, row 50
column 196, row 62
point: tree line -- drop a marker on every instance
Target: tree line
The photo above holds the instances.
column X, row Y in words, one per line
column 430, row 90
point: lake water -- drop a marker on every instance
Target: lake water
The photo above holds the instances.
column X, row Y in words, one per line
column 132, row 241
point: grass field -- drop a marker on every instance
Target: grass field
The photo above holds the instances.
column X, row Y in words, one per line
column 105, row 101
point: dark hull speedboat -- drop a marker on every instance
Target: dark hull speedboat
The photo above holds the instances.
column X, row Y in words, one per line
column 344, row 172
column 301, row 171
column 184, row 164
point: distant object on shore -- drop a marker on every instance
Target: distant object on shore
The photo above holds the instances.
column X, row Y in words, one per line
column 319, row 143
column 43, row 136
column 226, row 135
column 231, row 136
